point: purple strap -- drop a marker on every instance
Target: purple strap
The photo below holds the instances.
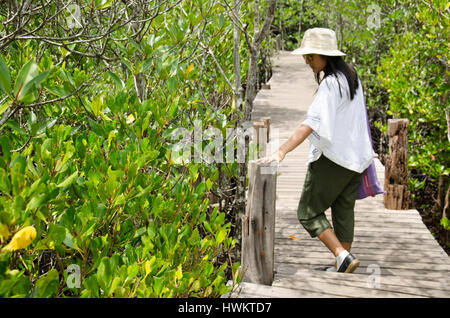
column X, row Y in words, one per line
column 369, row 186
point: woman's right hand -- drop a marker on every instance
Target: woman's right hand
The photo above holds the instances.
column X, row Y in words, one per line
column 277, row 156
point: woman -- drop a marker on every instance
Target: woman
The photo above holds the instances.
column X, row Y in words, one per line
column 340, row 147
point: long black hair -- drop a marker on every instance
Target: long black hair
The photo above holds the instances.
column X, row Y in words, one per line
column 337, row 64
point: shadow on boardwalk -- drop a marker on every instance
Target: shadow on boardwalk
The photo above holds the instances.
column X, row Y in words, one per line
column 399, row 257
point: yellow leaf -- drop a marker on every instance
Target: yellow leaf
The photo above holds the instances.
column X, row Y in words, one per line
column 294, row 238
column 97, row 105
column 179, row 273
column 112, row 134
column 189, row 69
column 105, row 117
column 21, row 239
column 130, row 119
column 147, row 268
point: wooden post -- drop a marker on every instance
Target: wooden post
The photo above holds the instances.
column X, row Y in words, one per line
column 266, row 121
column 278, row 42
column 258, row 224
column 260, row 138
column 397, row 196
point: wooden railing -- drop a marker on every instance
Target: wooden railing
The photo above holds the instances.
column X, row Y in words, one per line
column 258, row 223
column 397, row 195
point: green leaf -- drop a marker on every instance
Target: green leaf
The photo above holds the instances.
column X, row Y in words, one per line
column 207, row 226
column 104, row 273
column 220, row 236
column 69, row 180
column 132, row 270
column 57, row 90
column 208, row 184
column 4, row 107
column 35, row 202
column 173, row 84
column 133, row 42
column 46, row 125
column 119, row 83
column 47, row 286
column 445, row 223
column 57, row 233
column 5, row 78
column 68, row 77
column 139, row 232
column 147, row 64
column 158, row 285
column 126, row 63
column 103, row 4
column 38, row 79
column 28, row 72
column 68, row 240
column 173, row 110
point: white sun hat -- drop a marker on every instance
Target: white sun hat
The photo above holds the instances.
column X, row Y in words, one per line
column 319, row 41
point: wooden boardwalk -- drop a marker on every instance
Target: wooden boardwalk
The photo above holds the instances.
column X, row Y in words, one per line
column 399, row 257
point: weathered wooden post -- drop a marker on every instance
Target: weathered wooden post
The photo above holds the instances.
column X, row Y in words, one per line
column 266, row 121
column 260, row 137
column 258, row 224
column 397, row 196
column 278, row 42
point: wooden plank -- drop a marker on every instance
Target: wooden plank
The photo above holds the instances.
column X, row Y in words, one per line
column 368, row 250
column 394, row 232
column 417, row 237
column 249, row 290
column 303, row 239
column 363, row 240
column 442, row 285
column 366, row 288
column 359, row 247
column 342, row 289
column 386, row 272
column 375, row 230
column 283, row 268
column 420, row 243
column 385, row 266
column 379, row 258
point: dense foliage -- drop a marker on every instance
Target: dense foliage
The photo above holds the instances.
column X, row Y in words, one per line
column 91, row 96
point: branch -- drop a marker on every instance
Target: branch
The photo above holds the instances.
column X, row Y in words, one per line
column 259, row 36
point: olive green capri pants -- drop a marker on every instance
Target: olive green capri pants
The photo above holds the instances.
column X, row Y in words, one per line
column 328, row 184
